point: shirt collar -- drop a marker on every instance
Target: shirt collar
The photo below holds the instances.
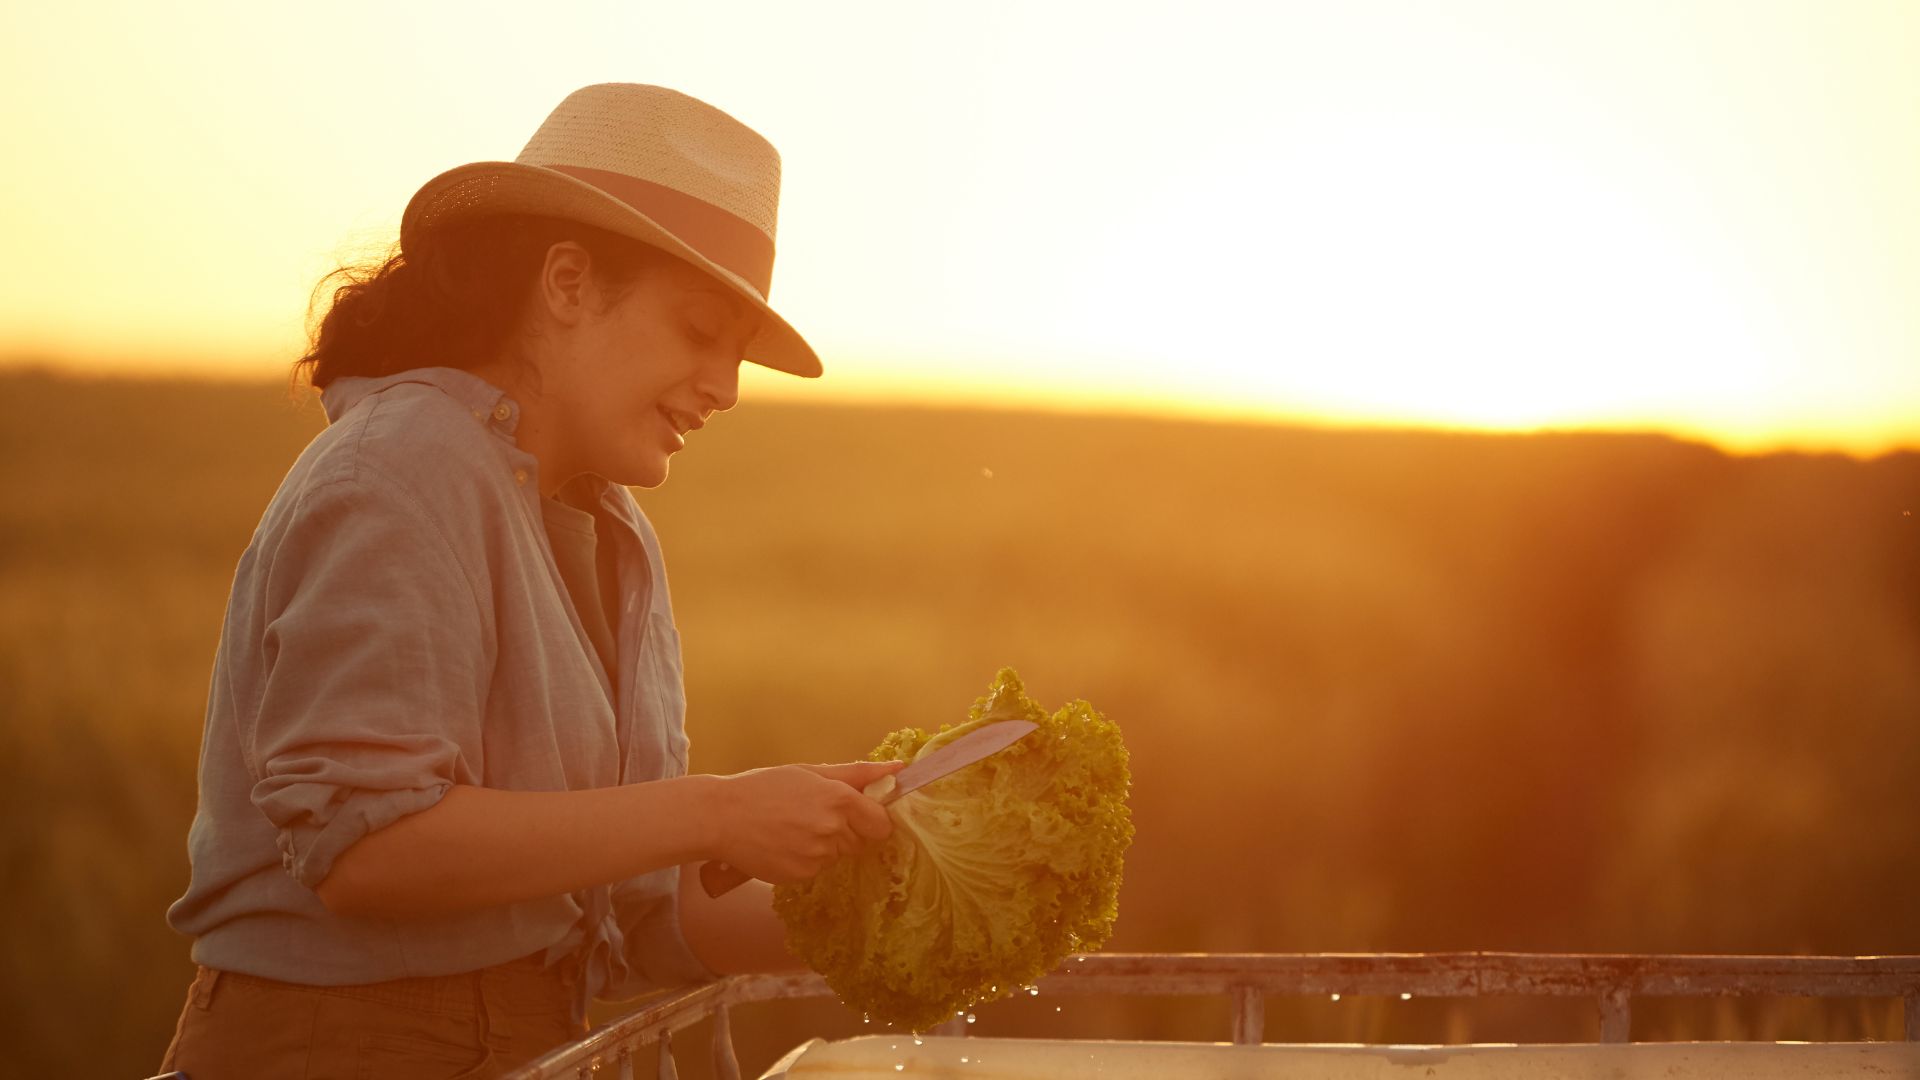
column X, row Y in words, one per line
column 485, row 400
column 609, row 496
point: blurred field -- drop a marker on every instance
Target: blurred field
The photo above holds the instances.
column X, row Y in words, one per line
column 1384, row 691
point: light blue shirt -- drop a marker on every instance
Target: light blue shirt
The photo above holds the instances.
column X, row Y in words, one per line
column 397, row 626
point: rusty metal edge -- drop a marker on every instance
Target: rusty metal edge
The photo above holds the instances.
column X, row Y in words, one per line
column 1614, row 977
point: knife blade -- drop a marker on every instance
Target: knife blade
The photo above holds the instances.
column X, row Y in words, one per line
column 982, row 742
column 717, row 877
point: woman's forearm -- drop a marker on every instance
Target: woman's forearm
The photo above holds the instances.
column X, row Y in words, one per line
column 478, row 847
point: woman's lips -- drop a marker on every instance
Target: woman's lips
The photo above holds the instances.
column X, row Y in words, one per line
column 673, row 429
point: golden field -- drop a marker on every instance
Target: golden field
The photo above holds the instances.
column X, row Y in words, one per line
column 1391, row 691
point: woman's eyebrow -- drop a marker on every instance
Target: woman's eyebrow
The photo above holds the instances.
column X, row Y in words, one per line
column 745, row 320
column 743, row 312
column 715, row 292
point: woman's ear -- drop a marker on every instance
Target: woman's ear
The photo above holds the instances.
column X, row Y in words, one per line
column 567, row 289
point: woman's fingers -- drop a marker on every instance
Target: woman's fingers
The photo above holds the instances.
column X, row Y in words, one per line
column 869, row 819
column 858, row 774
column 791, row 826
column 866, row 816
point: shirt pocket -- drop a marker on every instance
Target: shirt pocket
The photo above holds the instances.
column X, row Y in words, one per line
column 667, row 691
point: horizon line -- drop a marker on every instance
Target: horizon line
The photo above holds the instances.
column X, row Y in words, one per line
column 937, row 397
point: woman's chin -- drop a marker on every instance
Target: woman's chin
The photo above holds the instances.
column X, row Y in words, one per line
column 638, row 463
column 647, row 472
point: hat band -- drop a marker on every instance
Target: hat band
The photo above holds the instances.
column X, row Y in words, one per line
column 724, row 238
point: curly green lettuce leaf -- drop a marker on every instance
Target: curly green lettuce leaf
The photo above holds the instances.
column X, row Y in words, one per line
column 992, row 876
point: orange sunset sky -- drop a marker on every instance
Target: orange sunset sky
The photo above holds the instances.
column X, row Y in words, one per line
column 1690, row 216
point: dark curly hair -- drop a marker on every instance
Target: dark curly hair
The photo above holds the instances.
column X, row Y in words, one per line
column 454, row 299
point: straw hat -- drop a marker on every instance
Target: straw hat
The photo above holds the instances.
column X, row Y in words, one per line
column 650, row 163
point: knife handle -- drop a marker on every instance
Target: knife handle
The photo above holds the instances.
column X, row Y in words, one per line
column 718, row 878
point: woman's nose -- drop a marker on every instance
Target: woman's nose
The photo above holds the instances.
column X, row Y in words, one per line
column 720, row 385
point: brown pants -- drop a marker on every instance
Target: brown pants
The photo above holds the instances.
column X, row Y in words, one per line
column 478, row 1024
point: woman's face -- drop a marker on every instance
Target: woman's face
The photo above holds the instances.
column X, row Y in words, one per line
column 620, row 390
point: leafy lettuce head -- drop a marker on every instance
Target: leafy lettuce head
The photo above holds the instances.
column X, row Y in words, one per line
column 992, row 876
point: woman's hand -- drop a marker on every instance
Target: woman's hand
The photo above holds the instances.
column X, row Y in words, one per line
column 788, row 822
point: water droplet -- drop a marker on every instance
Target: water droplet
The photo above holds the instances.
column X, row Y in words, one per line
column 1033, row 991
column 1336, row 997
column 1406, row 997
column 963, row 1059
column 899, row 1066
column 1056, row 1008
column 917, row 1041
column 970, row 1018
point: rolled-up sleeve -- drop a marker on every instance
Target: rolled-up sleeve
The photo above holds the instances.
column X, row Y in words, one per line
column 375, row 661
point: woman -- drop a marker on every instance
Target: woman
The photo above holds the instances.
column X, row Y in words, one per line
column 443, row 790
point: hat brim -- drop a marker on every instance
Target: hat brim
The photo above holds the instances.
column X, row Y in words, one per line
column 509, row 187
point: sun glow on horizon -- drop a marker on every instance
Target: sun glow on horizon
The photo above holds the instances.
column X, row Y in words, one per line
column 1694, row 218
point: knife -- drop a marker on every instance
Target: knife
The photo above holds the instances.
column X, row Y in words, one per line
column 984, row 741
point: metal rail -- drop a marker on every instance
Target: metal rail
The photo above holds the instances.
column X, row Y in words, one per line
column 1247, row 979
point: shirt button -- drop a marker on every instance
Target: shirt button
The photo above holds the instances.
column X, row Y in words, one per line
column 501, row 412
column 520, row 477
